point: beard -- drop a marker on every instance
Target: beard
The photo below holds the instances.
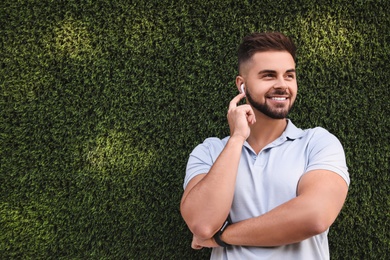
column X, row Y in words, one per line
column 277, row 112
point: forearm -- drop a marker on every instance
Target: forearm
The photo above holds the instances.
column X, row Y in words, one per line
column 321, row 195
column 286, row 224
column 207, row 204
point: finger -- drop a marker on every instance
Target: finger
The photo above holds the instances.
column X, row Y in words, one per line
column 251, row 118
column 235, row 100
column 195, row 246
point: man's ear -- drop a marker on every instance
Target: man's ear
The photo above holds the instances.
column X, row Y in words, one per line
column 239, row 82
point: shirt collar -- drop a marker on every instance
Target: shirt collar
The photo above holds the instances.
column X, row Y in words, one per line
column 292, row 132
column 289, row 134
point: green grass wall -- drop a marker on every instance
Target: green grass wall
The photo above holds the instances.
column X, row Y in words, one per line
column 102, row 101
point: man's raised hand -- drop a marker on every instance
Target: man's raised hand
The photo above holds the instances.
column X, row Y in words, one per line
column 240, row 117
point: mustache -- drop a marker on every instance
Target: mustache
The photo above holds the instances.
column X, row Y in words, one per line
column 281, row 92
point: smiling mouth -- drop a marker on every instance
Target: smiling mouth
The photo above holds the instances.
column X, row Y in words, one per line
column 279, row 98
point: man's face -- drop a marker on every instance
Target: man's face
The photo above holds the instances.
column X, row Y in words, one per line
column 270, row 81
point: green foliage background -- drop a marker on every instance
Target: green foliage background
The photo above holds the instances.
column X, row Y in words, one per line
column 102, row 101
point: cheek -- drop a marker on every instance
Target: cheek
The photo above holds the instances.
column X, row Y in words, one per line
column 294, row 89
column 294, row 95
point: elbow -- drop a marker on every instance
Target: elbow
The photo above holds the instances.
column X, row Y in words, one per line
column 200, row 228
column 202, row 231
column 318, row 225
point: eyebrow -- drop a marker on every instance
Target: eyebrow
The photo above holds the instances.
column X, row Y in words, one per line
column 274, row 71
column 290, row 70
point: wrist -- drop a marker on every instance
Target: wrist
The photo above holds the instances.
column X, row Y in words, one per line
column 238, row 139
column 217, row 236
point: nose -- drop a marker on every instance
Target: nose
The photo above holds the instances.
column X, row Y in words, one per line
column 281, row 83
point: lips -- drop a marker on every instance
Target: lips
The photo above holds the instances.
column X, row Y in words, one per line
column 279, row 98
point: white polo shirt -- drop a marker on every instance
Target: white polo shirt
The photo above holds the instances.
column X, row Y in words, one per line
column 270, row 178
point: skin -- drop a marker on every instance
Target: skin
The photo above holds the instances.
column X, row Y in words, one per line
column 270, row 81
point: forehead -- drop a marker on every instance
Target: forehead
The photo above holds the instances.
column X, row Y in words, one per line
column 279, row 61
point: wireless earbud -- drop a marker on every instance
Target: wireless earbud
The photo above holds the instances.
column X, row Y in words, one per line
column 242, row 88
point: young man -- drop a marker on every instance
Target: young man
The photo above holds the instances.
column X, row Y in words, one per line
column 279, row 186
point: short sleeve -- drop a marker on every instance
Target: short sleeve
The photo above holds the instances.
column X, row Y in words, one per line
column 203, row 157
column 327, row 153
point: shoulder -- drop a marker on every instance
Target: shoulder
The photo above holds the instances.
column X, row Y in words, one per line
column 211, row 145
column 319, row 135
column 203, row 157
column 325, row 152
column 316, row 135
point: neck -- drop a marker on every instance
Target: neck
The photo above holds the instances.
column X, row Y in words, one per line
column 264, row 131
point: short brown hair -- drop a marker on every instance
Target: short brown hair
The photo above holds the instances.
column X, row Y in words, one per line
column 266, row 41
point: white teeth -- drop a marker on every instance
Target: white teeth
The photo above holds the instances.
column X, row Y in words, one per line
column 279, row 98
